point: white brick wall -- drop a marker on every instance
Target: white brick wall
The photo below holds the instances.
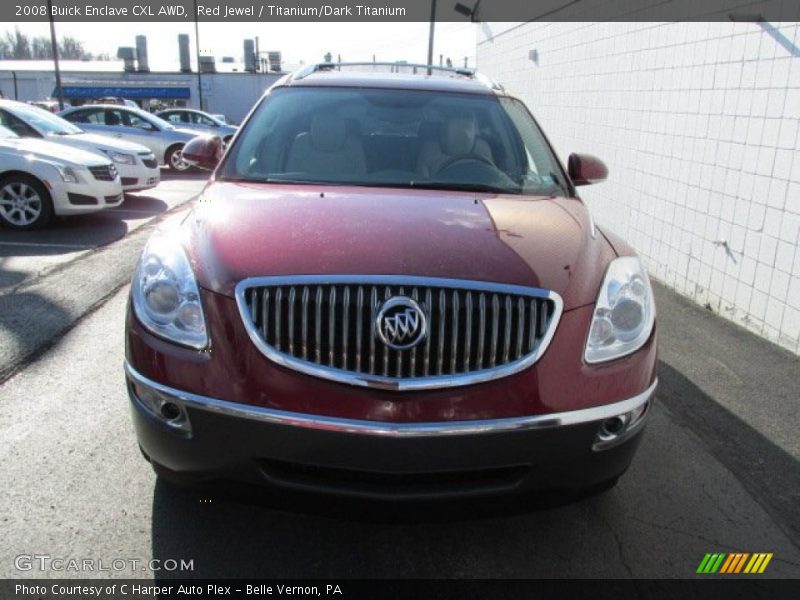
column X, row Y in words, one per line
column 698, row 123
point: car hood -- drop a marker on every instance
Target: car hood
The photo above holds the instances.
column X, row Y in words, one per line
column 92, row 141
column 248, row 230
column 56, row 152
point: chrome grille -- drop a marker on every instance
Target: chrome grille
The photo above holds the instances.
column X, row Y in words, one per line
column 104, row 172
column 325, row 326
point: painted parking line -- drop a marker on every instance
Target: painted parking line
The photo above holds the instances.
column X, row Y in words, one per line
column 130, row 210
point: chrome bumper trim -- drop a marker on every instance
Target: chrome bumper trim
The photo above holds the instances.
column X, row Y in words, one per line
column 393, row 430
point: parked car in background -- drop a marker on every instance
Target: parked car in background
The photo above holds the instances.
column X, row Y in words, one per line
column 116, row 100
column 199, row 121
column 40, row 179
column 137, row 165
column 135, row 125
column 391, row 289
column 49, row 105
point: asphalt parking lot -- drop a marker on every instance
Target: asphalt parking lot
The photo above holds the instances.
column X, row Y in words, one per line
column 718, row 469
column 27, row 255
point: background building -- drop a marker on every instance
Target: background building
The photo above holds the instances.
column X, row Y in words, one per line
column 229, row 93
column 698, row 123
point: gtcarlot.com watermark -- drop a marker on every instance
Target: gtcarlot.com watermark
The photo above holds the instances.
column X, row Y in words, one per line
column 58, row 564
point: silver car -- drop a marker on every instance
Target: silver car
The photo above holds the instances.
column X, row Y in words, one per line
column 135, row 125
column 200, row 121
column 137, row 166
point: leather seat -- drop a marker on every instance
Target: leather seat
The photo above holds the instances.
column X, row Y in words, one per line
column 458, row 137
column 326, row 149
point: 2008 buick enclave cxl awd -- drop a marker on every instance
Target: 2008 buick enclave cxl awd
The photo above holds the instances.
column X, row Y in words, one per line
column 390, row 288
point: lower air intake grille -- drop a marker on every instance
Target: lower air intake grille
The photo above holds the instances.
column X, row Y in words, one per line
column 104, row 172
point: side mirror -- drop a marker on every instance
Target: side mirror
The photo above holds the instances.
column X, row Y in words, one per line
column 585, row 169
column 203, row 151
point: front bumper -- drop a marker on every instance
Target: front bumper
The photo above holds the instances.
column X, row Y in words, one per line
column 83, row 198
column 192, row 437
column 138, row 177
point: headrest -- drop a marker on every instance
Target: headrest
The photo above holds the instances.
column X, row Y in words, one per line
column 328, row 132
column 458, row 135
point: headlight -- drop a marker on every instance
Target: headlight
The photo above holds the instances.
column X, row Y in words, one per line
column 624, row 314
column 119, row 157
column 165, row 295
column 68, row 174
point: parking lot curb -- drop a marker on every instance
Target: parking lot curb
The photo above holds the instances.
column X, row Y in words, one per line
column 35, row 314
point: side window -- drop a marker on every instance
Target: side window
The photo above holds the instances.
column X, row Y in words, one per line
column 86, row 116
column 174, row 118
column 17, row 125
column 203, row 120
column 134, row 120
column 112, row 118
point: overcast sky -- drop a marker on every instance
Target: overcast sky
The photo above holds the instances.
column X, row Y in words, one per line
column 299, row 42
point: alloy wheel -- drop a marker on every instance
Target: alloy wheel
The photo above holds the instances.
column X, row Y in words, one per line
column 20, row 204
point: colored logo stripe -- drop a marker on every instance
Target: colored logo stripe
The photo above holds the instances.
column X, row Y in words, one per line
column 758, row 563
column 720, row 562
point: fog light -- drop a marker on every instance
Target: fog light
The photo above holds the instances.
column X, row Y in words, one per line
column 615, row 430
column 612, row 427
column 170, row 411
column 161, row 406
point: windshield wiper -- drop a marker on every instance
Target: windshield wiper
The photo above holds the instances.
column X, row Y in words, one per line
column 466, row 187
column 432, row 185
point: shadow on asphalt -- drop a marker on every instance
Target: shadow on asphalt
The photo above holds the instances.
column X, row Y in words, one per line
column 769, row 474
column 9, row 277
column 80, row 232
column 192, row 521
column 50, row 317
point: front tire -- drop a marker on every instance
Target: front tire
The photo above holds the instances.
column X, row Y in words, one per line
column 175, row 161
column 25, row 203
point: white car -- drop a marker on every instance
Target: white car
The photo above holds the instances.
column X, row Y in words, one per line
column 137, row 165
column 40, row 179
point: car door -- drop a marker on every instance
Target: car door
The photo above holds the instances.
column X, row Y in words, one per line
column 141, row 131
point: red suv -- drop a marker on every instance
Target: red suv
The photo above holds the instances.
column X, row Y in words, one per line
column 390, row 288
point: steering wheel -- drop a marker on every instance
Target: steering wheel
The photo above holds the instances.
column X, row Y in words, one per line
column 459, row 158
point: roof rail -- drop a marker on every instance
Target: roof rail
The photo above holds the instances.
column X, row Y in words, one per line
column 396, row 67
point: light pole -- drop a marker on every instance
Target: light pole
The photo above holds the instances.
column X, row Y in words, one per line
column 54, row 45
column 197, row 51
column 430, row 35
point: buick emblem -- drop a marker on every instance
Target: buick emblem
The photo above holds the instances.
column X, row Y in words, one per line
column 401, row 323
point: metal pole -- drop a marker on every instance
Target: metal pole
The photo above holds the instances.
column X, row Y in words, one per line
column 430, row 35
column 197, row 50
column 54, row 44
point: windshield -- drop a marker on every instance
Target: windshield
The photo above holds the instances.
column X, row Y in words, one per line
column 44, row 121
column 395, row 138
